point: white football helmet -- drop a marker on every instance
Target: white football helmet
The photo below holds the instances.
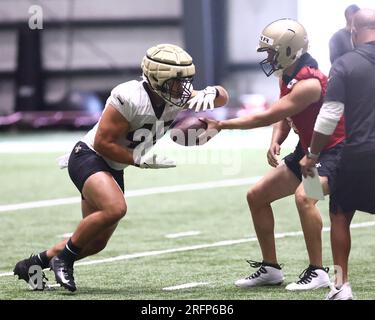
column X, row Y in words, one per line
column 169, row 70
column 286, row 41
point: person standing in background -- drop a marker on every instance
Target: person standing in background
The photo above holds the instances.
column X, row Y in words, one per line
column 350, row 92
column 341, row 43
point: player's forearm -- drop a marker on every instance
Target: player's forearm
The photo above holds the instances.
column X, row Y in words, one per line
column 247, row 122
column 114, row 152
column 222, row 97
column 280, row 132
column 318, row 142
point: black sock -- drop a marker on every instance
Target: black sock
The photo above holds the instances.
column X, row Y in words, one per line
column 316, row 267
column 273, row 265
column 44, row 259
column 70, row 253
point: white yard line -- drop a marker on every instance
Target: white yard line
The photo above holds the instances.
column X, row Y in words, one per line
column 39, row 204
column 197, row 247
column 165, row 251
column 182, row 234
column 136, row 193
column 186, row 286
column 5, row 274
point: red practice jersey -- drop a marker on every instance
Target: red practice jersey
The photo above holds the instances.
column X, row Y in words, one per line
column 304, row 122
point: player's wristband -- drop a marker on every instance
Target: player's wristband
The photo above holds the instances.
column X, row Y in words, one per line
column 311, row 155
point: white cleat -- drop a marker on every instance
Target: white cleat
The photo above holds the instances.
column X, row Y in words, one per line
column 343, row 293
column 265, row 276
column 311, row 279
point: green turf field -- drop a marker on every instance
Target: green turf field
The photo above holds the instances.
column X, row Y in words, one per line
column 213, row 257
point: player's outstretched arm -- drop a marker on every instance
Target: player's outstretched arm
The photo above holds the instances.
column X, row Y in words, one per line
column 304, row 93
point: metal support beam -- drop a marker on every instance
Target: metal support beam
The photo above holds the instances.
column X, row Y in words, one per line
column 204, row 30
column 29, row 83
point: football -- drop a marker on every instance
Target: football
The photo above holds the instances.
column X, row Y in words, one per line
column 186, row 131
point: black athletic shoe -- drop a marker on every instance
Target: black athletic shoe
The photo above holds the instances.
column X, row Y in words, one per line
column 63, row 274
column 31, row 271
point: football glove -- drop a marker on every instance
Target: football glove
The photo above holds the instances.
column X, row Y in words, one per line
column 154, row 162
column 203, row 99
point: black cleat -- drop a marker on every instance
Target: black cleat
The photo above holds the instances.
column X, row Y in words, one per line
column 63, row 273
column 31, row 271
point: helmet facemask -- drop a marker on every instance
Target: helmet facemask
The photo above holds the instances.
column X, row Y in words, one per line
column 177, row 91
column 270, row 65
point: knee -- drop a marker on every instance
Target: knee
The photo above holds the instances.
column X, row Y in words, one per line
column 254, row 197
column 116, row 211
column 302, row 201
column 340, row 220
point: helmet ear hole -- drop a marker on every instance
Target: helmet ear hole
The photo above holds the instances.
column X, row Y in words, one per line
column 288, row 51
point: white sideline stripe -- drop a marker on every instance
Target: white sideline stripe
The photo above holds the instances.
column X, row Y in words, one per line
column 197, row 247
column 186, row 286
column 136, row 193
column 182, row 234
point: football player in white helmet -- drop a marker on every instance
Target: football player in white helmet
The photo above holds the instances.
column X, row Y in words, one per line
column 302, row 88
column 136, row 115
